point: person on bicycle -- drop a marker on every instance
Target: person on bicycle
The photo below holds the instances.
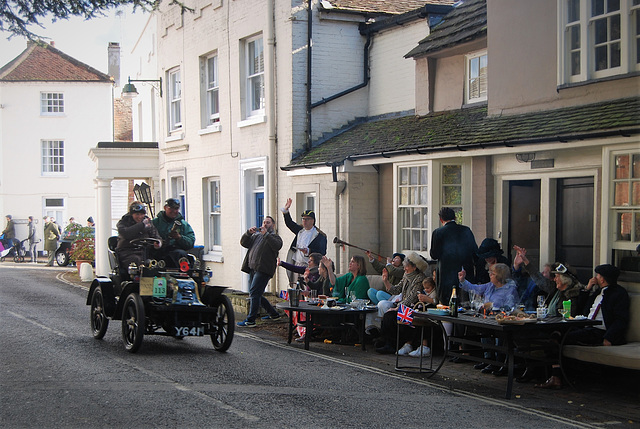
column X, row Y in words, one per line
column 133, row 225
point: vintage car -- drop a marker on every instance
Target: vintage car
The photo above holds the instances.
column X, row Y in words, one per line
column 154, row 300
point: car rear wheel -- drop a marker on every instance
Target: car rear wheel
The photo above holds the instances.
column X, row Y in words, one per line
column 99, row 321
column 224, row 324
column 133, row 322
column 62, row 258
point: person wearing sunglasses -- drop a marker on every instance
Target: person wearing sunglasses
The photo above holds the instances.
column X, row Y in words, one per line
column 134, row 224
column 177, row 235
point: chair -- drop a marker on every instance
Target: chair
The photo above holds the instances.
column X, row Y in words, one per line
column 112, row 242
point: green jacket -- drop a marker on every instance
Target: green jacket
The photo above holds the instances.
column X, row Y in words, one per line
column 346, row 284
column 163, row 224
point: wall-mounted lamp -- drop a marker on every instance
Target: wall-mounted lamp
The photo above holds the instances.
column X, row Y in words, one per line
column 525, row 157
column 129, row 90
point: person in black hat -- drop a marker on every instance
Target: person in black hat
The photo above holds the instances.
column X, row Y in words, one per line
column 610, row 306
column 309, row 239
column 177, row 235
column 393, row 266
column 134, row 224
column 489, row 253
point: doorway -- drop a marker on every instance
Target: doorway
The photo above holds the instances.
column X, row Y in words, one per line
column 574, row 225
column 524, row 219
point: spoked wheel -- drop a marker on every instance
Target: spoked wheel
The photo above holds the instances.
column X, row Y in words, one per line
column 99, row 321
column 18, row 258
column 133, row 322
column 225, row 325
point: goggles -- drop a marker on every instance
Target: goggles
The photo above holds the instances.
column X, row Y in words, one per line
column 561, row 269
column 137, row 208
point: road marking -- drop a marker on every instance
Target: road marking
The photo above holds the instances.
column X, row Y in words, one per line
column 60, row 277
column 492, row 401
column 40, row 325
column 186, row 389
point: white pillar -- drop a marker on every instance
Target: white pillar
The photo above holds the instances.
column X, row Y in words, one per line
column 103, row 226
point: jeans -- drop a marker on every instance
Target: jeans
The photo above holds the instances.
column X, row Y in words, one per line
column 33, row 251
column 257, row 283
column 377, row 295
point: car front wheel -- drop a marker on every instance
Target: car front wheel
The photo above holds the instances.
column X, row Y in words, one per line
column 133, row 322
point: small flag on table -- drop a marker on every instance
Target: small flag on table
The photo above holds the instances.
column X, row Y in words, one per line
column 284, row 295
column 405, row 315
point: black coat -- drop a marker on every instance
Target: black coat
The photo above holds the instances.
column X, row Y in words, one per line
column 615, row 313
column 266, row 254
column 317, row 245
column 454, row 246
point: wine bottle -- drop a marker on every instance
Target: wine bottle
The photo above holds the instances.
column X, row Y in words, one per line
column 453, row 302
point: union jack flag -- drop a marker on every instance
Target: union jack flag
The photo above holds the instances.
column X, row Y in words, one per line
column 284, row 295
column 405, row 314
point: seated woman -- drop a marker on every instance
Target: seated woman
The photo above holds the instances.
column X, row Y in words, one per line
column 135, row 224
column 353, row 284
column 310, row 272
column 410, row 286
column 500, row 293
column 321, row 284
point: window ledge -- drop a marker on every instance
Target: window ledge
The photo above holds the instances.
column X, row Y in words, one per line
column 602, row 79
column 213, row 128
column 175, row 137
column 259, row 119
column 213, row 257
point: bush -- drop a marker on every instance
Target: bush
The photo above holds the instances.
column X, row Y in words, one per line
column 84, row 247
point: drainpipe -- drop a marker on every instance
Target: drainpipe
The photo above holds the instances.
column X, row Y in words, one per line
column 341, row 185
column 270, row 96
column 309, row 41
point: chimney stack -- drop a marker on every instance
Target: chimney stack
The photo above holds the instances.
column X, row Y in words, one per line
column 114, row 62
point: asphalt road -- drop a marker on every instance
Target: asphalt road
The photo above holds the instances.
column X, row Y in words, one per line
column 54, row 374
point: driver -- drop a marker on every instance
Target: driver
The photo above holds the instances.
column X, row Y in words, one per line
column 176, row 233
column 133, row 225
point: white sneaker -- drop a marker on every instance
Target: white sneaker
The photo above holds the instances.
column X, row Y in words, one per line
column 405, row 350
column 426, row 351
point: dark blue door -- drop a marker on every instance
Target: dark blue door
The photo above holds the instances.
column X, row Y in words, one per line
column 259, row 208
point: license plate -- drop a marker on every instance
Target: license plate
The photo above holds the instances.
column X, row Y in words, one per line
column 186, row 331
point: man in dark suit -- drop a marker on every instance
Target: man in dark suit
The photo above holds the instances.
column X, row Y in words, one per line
column 454, row 246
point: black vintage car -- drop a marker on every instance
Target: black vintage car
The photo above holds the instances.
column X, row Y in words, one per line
column 154, row 300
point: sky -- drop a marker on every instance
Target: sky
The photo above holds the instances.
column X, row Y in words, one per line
column 85, row 41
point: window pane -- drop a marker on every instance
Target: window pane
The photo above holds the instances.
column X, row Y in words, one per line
column 413, row 179
column 574, row 10
column 615, row 27
column 404, row 196
column 635, row 193
column 600, row 31
column 623, row 226
column 424, row 176
column 416, row 221
column 452, row 174
column 575, row 63
column 621, row 194
column 613, row 5
column 415, row 244
column 424, row 195
column 575, row 37
column 622, row 166
column 452, row 195
column 403, row 176
column 597, row 7
column 636, row 166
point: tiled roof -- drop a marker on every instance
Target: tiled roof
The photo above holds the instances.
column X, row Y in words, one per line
column 42, row 62
column 472, row 128
column 468, row 21
column 384, row 6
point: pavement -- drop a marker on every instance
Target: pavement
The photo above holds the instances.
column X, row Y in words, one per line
column 601, row 396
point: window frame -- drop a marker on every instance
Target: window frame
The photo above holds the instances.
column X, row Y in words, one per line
column 584, row 29
column 253, row 76
column 174, row 99
column 406, row 212
column 210, row 114
column 633, row 210
column 48, row 158
column 214, row 241
column 56, row 103
column 467, row 77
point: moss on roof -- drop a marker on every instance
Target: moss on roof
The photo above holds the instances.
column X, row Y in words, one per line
column 473, row 128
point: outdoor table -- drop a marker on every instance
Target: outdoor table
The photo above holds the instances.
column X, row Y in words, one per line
column 510, row 333
column 333, row 314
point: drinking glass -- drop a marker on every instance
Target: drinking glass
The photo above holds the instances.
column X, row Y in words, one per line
column 563, row 312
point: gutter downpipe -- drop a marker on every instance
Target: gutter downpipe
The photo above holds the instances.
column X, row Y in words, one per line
column 341, row 185
column 309, row 42
column 270, row 91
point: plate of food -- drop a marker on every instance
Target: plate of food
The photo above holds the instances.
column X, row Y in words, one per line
column 503, row 319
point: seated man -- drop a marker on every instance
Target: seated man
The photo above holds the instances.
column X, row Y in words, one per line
column 177, row 235
column 133, row 225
